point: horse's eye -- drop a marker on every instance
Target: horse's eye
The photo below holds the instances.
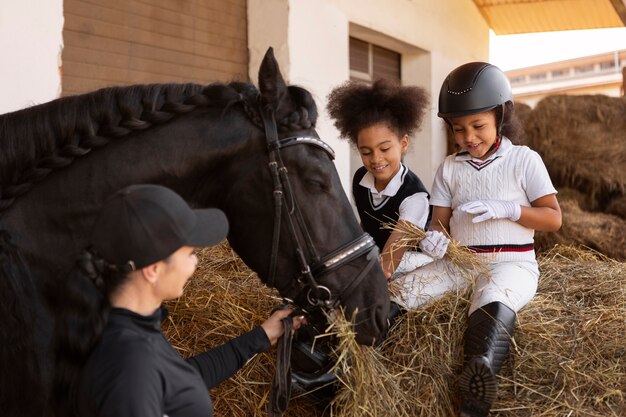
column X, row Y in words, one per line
column 316, row 185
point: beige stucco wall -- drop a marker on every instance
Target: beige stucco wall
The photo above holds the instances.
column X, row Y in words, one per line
column 31, row 43
column 310, row 39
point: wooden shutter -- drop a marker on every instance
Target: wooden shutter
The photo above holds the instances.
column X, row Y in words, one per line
column 113, row 42
column 369, row 62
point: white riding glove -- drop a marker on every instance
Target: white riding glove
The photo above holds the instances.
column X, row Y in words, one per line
column 492, row 209
column 435, row 244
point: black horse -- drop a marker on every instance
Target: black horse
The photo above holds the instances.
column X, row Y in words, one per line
column 252, row 153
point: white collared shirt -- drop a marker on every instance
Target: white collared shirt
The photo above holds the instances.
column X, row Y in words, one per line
column 413, row 209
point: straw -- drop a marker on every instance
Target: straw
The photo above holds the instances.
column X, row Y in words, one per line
column 566, row 359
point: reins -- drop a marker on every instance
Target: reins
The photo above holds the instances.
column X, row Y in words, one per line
column 312, row 268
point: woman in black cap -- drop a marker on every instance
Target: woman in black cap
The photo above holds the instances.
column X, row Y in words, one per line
column 490, row 196
column 111, row 357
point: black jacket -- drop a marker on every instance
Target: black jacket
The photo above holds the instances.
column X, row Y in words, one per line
column 134, row 371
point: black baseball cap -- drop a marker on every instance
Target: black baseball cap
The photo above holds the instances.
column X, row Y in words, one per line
column 143, row 224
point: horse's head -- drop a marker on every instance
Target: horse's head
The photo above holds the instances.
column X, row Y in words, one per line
column 289, row 200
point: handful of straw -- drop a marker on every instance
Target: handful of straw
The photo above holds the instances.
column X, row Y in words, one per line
column 461, row 258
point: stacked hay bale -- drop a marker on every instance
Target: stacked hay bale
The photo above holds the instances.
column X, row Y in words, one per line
column 602, row 232
column 582, row 140
column 567, row 357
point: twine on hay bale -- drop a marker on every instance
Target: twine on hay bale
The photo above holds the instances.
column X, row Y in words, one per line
column 566, row 357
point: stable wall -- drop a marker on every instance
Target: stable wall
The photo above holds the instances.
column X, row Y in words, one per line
column 31, row 46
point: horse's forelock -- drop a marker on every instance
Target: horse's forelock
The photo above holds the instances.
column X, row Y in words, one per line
column 302, row 115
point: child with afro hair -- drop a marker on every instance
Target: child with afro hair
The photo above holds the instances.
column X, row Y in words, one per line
column 378, row 120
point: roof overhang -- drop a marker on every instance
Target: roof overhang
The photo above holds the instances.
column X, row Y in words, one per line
column 508, row 17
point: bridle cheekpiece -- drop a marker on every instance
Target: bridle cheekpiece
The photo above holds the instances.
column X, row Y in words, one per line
column 312, row 267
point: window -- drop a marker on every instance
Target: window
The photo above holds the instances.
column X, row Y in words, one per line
column 538, row 76
column 607, row 65
column 581, row 69
column 369, row 62
column 560, row 73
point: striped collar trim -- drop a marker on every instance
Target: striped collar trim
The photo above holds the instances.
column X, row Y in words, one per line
column 377, row 206
column 480, row 165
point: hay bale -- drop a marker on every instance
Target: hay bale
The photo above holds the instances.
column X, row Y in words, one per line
column 617, row 206
column 602, row 232
column 583, row 200
column 570, row 345
column 582, row 140
column 567, row 356
column 566, row 359
column 522, row 110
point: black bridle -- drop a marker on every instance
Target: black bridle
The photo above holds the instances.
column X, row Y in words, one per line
column 312, row 268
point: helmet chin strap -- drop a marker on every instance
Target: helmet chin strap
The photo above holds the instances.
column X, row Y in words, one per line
column 498, row 140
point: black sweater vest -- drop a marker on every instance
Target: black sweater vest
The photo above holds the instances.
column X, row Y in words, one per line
column 372, row 218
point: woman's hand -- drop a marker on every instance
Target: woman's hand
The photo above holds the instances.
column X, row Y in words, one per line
column 274, row 328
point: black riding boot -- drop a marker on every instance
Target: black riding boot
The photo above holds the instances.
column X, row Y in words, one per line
column 487, row 341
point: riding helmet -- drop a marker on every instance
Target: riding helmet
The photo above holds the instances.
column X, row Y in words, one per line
column 472, row 88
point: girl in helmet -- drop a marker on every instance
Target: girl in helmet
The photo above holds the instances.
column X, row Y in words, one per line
column 378, row 120
column 490, row 196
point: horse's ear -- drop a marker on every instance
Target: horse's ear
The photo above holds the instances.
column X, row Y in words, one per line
column 271, row 83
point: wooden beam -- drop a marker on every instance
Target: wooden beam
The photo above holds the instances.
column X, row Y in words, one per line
column 620, row 9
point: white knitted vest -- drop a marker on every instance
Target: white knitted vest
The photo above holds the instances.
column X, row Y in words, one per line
column 502, row 179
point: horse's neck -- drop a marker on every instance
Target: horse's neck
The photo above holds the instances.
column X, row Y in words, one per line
column 178, row 154
column 52, row 221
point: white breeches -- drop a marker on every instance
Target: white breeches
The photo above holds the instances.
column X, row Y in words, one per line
column 512, row 283
column 411, row 260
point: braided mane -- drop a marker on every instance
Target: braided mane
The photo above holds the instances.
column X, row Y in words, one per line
column 40, row 139
column 49, row 136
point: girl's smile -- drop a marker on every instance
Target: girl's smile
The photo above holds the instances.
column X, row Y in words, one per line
column 381, row 152
column 475, row 133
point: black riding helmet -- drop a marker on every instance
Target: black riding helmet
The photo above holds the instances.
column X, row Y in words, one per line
column 472, row 88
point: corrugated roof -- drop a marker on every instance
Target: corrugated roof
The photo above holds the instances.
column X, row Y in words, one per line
column 507, row 17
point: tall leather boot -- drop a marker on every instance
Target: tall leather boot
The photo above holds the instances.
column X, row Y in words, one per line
column 487, row 341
